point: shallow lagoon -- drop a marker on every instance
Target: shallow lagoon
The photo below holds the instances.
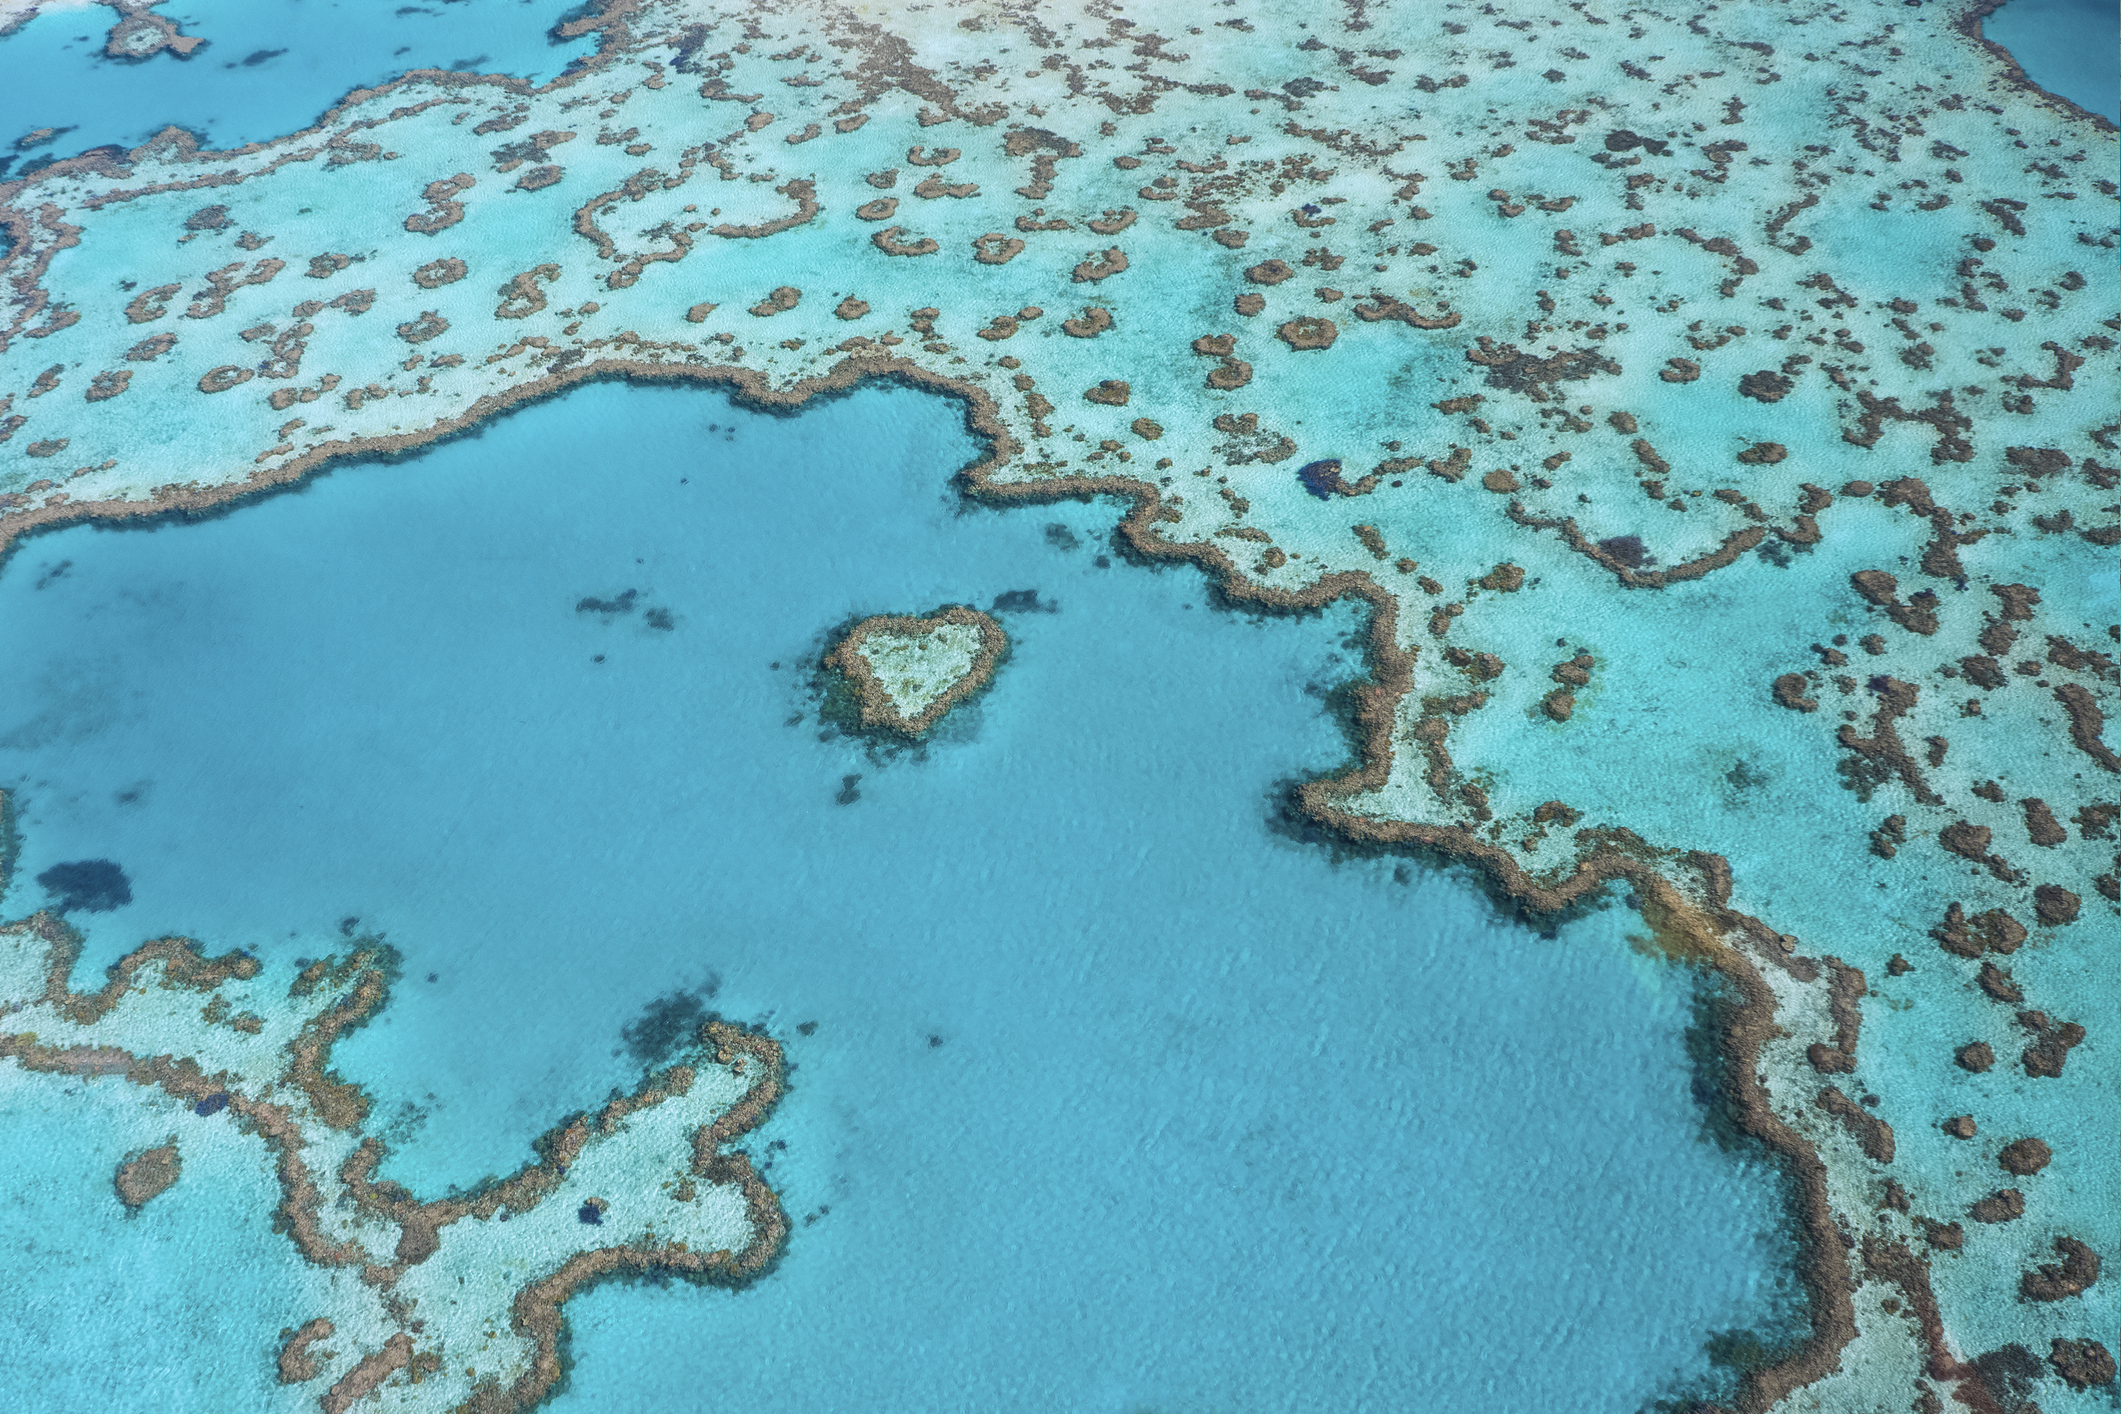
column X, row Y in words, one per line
column 269, row 67
column 1118, row 1096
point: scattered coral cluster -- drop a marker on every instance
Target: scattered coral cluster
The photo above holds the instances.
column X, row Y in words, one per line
column 450, row 1303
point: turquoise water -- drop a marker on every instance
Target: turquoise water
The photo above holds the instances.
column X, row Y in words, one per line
column 269, row 67
column 1119, row 1097
column 2069, row 47
column 177, row 1308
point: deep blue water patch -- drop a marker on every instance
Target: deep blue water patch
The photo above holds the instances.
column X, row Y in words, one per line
column 1628, row 549
column 668, row 1022
column 1321, row 479
column 1024, row 601
column 86, row 886
column 1107, row 1093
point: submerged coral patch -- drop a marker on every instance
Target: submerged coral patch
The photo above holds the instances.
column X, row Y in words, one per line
column 87, row 886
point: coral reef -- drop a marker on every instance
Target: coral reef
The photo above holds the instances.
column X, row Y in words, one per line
column 1854, row 250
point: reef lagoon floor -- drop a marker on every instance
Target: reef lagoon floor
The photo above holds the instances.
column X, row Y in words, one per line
column 1108, row 1091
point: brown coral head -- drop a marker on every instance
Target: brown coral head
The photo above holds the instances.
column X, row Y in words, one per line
column 1309, row 332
